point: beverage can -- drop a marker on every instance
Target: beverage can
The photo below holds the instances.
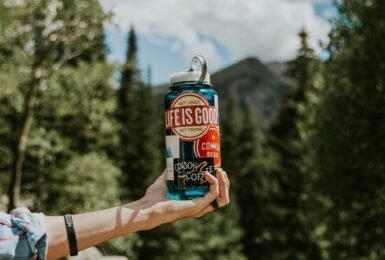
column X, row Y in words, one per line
column 192, row 132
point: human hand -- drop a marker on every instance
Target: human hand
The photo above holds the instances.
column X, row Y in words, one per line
column 152, row 210
column 161, row 210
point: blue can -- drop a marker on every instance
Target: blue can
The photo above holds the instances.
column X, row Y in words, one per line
column 192, row 132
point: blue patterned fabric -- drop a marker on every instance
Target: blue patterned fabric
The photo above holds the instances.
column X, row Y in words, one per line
column 22, row 235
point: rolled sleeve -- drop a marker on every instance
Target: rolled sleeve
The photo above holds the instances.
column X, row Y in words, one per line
column 22, row 235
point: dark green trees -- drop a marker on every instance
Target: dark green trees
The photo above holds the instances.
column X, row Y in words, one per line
column 310, row 187
column 249, row 182
column 138, row 154
column 127, row 117
column 292, row 233
column 230, row 127
column 271, row 185
column 350, row 137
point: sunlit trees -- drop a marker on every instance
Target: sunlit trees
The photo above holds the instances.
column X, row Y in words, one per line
column 39, row 42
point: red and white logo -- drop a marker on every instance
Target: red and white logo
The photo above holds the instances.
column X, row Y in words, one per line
column 190, row 116
column 209, row 146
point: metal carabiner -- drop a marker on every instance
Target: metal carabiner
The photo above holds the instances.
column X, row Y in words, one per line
column 203, row 63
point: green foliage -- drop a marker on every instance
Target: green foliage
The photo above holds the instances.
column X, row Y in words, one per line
column 289, row 224
column 311, row 187
column 349, row 140
column 35, row 48
column 249, row 183
column 215, row 236
column 48, row 152
column 229, row 143
column 87, row 183
column 82, row 107
column 137, row 153
column 39, row 33
column 122, row 246
column 72, row 118
column 137, row 156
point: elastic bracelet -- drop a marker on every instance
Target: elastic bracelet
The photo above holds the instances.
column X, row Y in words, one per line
column 71, row 235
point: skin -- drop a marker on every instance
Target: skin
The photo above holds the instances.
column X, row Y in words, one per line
column 151, row 211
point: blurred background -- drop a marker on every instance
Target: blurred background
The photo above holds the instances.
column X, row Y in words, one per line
column 302, row 102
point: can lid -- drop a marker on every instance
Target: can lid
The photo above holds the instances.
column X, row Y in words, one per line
column 193, row 75
column 188, row 76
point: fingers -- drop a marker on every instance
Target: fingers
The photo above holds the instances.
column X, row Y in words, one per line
column 223, row 188
column 219, row 192
column 223, row 199
column 227, row 179
column 212, row 194
column 187, row 208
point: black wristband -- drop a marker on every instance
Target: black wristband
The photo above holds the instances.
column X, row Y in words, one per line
column 71, row 235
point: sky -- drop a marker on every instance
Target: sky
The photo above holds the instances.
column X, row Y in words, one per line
column 171, row 32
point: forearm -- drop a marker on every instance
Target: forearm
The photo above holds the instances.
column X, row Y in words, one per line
column 93, row 228
column 153, row 210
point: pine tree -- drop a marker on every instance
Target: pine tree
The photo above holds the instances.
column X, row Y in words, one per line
column 149, row 155
column 138, row 154
column 128, row 116
column 230, row 130
column 289, row 226
column 250, row 182
column 135, row 113
column 349, row 134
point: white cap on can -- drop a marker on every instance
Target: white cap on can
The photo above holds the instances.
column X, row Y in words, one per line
column 188, row 76
column 193, row 75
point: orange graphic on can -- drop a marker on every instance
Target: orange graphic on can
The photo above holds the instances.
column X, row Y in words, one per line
column 209, row 146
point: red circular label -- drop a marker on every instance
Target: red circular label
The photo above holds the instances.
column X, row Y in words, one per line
column 190, row 116
column 209, row 146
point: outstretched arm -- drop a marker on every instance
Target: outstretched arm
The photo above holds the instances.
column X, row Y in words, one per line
column 95, row 227
column 151, row 211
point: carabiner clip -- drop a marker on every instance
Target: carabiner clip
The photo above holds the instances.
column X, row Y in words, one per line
column 203, row 63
